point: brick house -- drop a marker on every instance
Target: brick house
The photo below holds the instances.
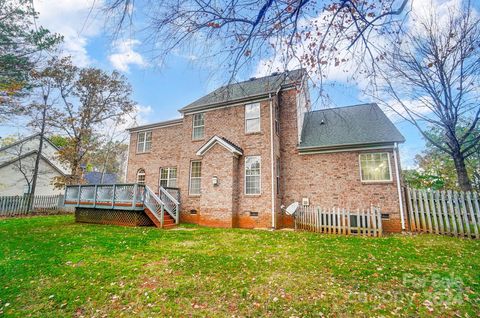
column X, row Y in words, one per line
column 241, row 152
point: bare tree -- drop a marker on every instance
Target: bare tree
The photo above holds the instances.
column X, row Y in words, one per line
column 87, row 99
column 430, row 77
column 310, row 33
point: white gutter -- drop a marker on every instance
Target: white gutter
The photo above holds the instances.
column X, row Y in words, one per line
column 399, row 187
column 272, row 162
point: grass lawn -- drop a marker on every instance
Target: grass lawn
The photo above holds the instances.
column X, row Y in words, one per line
column 52, row 267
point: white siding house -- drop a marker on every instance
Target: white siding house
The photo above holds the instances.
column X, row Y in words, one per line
column 17, row 163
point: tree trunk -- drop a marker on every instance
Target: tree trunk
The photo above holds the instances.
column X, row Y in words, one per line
column 37, row 159
column 462, row 174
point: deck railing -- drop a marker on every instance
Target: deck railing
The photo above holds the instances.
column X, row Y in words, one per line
column 172, row 205
column 124, row 195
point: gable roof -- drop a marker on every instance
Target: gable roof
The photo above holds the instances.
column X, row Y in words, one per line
column 227, row 144
column 347, row 127
column 26, row 139
column 253, row 88
column 27, row 154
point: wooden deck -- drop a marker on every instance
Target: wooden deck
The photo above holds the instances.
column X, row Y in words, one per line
column 98, row 204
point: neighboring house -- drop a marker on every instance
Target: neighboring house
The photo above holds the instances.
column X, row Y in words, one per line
column 246, row 149
column 95, row 177
column 17, row 163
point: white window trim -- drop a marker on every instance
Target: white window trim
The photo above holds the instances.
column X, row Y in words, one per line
column 168, row 176
column 144, row 143
column 259, row 118
column 193, row 126
column 190, row 179
column 245, row 177
column 375, row 181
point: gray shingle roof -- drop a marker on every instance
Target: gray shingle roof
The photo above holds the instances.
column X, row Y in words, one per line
column 244, row 90
column 344, row 127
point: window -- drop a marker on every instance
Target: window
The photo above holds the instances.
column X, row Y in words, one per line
column 168, row 177
column 375, row 167
column 144, row 141
column 278, row 175
column 252, row 118
column 252, row 175
column 141, row 176
column 198, row 126
column 277, row 119
column 195, row 177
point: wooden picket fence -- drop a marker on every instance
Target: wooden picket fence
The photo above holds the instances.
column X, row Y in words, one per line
column 444, row 212
column 366, row 222
column 18, row 205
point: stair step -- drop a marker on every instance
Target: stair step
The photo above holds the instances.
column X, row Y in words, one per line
column 168, row 221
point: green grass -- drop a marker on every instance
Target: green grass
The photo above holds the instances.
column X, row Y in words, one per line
column 52, row 267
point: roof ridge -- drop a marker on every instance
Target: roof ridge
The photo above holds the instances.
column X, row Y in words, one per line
column 348, row 106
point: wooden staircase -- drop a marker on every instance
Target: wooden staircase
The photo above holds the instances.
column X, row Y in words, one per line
column 168, row 221
column 163, row 213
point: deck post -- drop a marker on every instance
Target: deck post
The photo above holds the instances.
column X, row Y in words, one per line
column 79, row 194
column 95, row 197
column 162, row 215
column 113, row 195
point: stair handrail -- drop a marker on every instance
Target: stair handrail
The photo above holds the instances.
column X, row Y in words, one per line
column 156, row 210
column 173, row 207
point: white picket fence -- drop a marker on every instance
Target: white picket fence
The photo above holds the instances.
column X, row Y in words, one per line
column 444, row 212
column 366, row 222
column 18, row 205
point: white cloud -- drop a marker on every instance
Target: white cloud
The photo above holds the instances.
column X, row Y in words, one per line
column 126, row 55
column 76, row 20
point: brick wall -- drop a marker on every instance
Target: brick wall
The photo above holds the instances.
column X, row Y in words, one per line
column 165, row 152
column 332, row 179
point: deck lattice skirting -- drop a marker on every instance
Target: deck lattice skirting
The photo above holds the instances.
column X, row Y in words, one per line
column 110, row 216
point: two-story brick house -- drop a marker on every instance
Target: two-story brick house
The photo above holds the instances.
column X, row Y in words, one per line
column 241, row 152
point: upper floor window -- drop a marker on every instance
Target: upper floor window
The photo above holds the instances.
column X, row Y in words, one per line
column 144, row 141
column 141, row 176
column 252, row 175
column 198, row 126
column 168, row 177
column 195, row 177
column 375, row 167
column 252, row 118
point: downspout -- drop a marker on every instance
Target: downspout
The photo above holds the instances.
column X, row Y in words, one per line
column 399, row 187
column 272, row 162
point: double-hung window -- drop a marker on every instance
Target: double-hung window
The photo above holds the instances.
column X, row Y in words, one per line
column 252, row 118
column 375, row 167
column 198, row 131
column 195, row 177
column 144, row 141
column 168, row 177
column 252, row 175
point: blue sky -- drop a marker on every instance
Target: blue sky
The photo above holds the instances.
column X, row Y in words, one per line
column 161, row 90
